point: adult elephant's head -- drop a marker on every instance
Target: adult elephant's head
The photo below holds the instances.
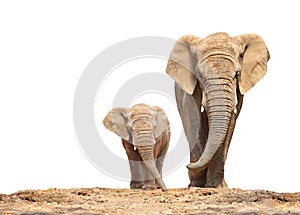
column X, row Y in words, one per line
column 223, row 67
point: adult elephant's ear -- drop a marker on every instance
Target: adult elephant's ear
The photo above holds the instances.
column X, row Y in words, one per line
column 181, row 64
column 115, row 122
column 254, row 62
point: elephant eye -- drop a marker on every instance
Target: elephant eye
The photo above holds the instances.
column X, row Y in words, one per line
column 237, row 74
column 241, row 56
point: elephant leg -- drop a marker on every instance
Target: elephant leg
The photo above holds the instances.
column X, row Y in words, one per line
column 160, row 156
column 193, row 121
column 215, row 170
column 147, row 180
column 215, row 173
column 199, row 178
column 140, row 176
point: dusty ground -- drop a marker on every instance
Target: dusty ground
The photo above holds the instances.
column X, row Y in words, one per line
column 126, row 201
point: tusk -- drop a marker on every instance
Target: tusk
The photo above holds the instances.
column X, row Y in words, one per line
column 134, row 148
column 202, row 109
column 235, row 110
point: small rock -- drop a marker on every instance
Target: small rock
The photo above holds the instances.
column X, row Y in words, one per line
column 162, row 200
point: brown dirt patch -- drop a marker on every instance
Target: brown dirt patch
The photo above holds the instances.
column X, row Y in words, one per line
column 126, row 201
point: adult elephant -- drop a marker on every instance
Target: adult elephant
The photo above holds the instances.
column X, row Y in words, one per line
column 211, row 76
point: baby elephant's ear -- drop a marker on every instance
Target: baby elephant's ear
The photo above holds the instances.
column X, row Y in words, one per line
column 115, row 122
column 162, row 122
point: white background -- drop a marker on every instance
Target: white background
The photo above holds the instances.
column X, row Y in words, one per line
column 45, row 46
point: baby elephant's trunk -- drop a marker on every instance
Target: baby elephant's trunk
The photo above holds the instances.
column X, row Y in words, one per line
column 146, row 153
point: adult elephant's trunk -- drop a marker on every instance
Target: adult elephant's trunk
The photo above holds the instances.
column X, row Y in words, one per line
column 219, row 108
column 146, row 153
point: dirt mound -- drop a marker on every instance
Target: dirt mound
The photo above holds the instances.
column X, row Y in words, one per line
column 126, row 201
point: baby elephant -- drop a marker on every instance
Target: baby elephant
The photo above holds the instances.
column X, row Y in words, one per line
column 145, row 134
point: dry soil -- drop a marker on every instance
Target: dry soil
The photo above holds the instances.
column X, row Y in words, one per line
column 126, row 201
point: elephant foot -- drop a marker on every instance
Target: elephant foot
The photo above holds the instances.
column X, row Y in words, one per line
column 197, row 178
column 149, row 185
column 144, row 185
column 196, row 184
column 135, row 185
column 223, row 185
column 216, row 184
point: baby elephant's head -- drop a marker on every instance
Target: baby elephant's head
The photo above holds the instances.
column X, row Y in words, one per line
column 140, row 125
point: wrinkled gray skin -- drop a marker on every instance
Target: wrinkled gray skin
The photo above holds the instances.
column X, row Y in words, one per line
column 211, row 76
column 145, row 136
